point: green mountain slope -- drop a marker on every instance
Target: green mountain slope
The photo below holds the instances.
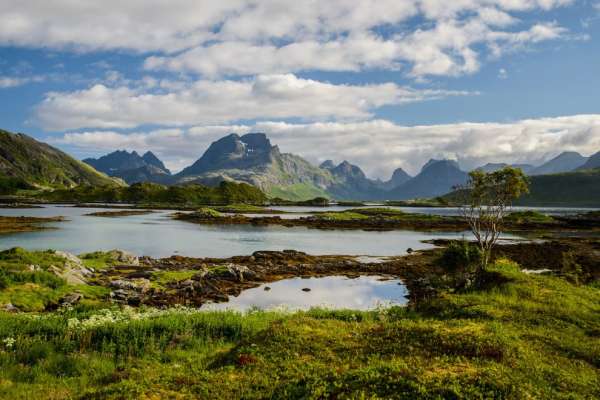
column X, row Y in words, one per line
column 581, row 188
column 570, row 189
column 40, row 165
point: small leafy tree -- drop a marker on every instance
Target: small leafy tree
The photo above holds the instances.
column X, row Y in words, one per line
column 487, row 198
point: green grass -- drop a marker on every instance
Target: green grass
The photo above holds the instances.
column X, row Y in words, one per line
column 162, row 278
column 340, row 216
column 529, row 217
column 525, row 336
column 297, row 192
column 239, row 208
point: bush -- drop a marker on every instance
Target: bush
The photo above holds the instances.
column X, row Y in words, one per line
column 460, row 256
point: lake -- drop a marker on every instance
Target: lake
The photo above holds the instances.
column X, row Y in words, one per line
column 157, row 235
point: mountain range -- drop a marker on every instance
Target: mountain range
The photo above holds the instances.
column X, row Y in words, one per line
column 251, row 158
column 131, row 167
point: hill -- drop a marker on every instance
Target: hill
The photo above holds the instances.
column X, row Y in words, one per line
column 580, row 188
column 28, row 163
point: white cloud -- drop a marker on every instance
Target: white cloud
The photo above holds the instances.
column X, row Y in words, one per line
column 217, row 102
column 502, row 73
column 14, row 81
column 448, row 48
column 378, row 146
column 278, row 36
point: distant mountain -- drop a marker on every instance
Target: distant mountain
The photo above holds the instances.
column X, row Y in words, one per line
column 252, row 159
column 492, row 167
column 41, row 165
column 152, row 160
column 131, row 167
column 351, row 183
column 592, row 162
column 399, row 177
column 437, row 177
column 564, row 162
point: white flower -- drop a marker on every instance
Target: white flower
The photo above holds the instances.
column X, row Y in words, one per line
column 9, row 342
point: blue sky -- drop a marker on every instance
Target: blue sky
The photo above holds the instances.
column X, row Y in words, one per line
column 382, row 83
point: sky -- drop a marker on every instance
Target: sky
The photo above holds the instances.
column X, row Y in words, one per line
column 380, row 83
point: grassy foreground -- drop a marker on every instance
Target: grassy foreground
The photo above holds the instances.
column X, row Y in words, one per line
column 527, row 336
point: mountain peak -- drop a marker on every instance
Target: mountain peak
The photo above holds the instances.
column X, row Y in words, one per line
column 327, row 164
column 440, row 164
column 151, row 159
column 234, row 152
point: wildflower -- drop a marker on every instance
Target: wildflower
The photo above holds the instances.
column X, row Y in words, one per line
column 9, row 342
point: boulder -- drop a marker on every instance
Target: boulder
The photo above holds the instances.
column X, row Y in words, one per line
column 70, row 299
column 70, row 259
column 124, row 257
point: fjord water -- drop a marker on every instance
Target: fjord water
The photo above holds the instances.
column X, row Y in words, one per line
column 158, row 235
column 361, row 293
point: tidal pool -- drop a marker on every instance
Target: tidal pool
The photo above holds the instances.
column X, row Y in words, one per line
column 333, row 292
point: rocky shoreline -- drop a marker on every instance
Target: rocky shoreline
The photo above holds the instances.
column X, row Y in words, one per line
column 387, row 222
column 192, row 282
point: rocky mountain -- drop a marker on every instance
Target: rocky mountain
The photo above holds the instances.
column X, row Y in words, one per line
column 437, row 177
column 491, row 167
column 131, row 167
column 351, row 183
column 41, row 165
column 153, row 161
column 592, row 162
column 399, row 177
column 251, row 158
column 564, row 162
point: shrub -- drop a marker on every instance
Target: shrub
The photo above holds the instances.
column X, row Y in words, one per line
column 571, row 269
column 460, row 256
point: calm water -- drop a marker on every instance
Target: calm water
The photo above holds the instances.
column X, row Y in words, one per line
column 157, row 235
column 362, row 293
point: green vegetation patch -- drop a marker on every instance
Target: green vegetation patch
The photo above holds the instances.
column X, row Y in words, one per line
column 297, row 192
column 522, row 217
column 152, row 194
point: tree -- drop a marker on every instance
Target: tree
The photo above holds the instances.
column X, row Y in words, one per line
column 487, row 199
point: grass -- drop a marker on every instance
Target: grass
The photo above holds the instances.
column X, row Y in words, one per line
column 239, row 209
column 162, row 278
column 521, row 217
column 526, row 336
column 298, row 191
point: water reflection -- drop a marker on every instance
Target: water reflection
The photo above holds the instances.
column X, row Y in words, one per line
column 362, row 293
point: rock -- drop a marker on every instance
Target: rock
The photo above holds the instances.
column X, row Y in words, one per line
column 138, row 285
column 409, row 250
column 72, row 275
column 241, row 272
column 9, row 308
column 71, row 299
column 266, row 289
column 33, row 267
column 124, row 257
column 306, row 289
column 71, row 259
